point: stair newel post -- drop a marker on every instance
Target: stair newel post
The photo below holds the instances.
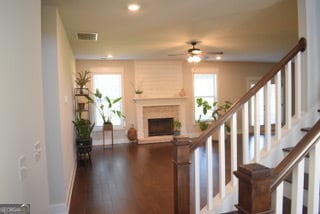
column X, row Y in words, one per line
column 181, row 162
column 254, row 188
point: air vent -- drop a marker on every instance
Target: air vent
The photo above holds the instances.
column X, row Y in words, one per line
column 87, row 36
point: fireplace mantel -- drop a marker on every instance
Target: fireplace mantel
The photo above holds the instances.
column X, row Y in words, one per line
column 158, row 102
column 160, row 99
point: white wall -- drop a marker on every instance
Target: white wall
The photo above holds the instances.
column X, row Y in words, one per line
column 58, row 67
column 22, row 121
column 308, row 16
column 313, row 49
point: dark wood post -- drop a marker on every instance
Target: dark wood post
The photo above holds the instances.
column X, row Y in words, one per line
column 181, row 172
column 254, row 188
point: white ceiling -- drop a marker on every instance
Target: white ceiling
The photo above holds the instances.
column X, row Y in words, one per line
column 245, row 30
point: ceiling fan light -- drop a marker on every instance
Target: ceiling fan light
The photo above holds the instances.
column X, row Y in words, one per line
column 194, row 59
column 196, row 51
column 133, row 7
column 190, row 60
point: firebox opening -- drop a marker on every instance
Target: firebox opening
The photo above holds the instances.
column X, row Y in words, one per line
column 160, row 126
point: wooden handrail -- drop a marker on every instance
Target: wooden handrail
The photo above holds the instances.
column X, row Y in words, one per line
column 257, row 182
column 285, row 167
column 199, row 141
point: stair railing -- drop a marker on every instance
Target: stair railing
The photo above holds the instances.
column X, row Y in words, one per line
column 257, row 182
column 185, row 148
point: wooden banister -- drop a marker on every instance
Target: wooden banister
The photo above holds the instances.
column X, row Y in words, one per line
column 259, row 177
column 197, row 142
column 181, row 173
column 285, row 167
column 257, row 182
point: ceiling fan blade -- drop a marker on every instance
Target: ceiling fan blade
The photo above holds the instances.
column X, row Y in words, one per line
column 182, row 54
column 213, row 53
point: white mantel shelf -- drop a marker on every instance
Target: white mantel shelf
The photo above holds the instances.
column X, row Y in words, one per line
column 138, row 99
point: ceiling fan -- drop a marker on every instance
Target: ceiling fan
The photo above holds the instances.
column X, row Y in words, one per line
column 195, row 53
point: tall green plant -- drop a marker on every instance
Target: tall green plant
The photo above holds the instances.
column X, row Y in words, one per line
column 106, row 106
column 217, row 111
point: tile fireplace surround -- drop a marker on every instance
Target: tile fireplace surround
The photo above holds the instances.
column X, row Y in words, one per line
column 150, row 108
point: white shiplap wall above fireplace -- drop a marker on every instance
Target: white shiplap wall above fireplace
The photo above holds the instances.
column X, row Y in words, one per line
column 158, row 78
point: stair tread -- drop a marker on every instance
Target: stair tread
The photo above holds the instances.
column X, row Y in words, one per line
column 305, row 129
column 231, row 212
column 305, row 180
column 289, row 149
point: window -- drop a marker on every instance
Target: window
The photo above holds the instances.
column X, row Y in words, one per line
column 204, row 85
column 109, row 84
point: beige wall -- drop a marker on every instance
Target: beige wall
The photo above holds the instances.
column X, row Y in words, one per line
column 58, row 67
column 232, row 83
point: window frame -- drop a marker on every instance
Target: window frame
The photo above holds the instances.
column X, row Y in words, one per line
column 203, row 71
column 109, row 71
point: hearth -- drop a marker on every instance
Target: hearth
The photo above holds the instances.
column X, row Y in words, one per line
column 160, row 126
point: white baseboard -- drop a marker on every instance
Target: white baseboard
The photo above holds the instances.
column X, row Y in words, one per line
column 71, row 183
column 63, row 208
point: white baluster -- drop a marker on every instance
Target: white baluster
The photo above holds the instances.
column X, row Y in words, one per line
column 234, row 152
column 222, row 163
column 196, row 181
column 288, row 94
column 256, row 128
column 279, row 199
column 209, row 174
column 245, row 134
column 267, row 124
column 314, row 179
column 298, row 85
column 278, row 105
column 297, row 188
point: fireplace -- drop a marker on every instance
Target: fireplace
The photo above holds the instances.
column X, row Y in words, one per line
column 158, row 108
column 160, row 126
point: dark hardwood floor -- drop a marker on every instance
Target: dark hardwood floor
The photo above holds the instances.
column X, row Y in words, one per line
column 135, row 178
column 128, row 179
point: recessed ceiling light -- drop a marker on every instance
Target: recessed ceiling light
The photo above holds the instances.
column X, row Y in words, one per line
column 133, row 7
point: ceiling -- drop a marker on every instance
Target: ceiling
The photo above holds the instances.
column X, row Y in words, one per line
column 245, row 30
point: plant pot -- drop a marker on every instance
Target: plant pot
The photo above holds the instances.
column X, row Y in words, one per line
column 107, row 126
column 177, row 133
column 84, row 142
column 81, row 106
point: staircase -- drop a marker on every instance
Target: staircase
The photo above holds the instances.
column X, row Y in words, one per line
column 286, row 75
column 304, row 189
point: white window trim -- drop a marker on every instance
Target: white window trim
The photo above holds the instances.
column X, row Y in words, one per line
column 203, row 70
column 109, row 70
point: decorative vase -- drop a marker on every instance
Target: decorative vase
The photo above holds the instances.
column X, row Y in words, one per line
column 132, row 134
column 182, row 93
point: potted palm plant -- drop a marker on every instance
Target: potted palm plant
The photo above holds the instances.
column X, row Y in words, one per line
column 82, row 78
column 83, row 130
column 106, row 106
